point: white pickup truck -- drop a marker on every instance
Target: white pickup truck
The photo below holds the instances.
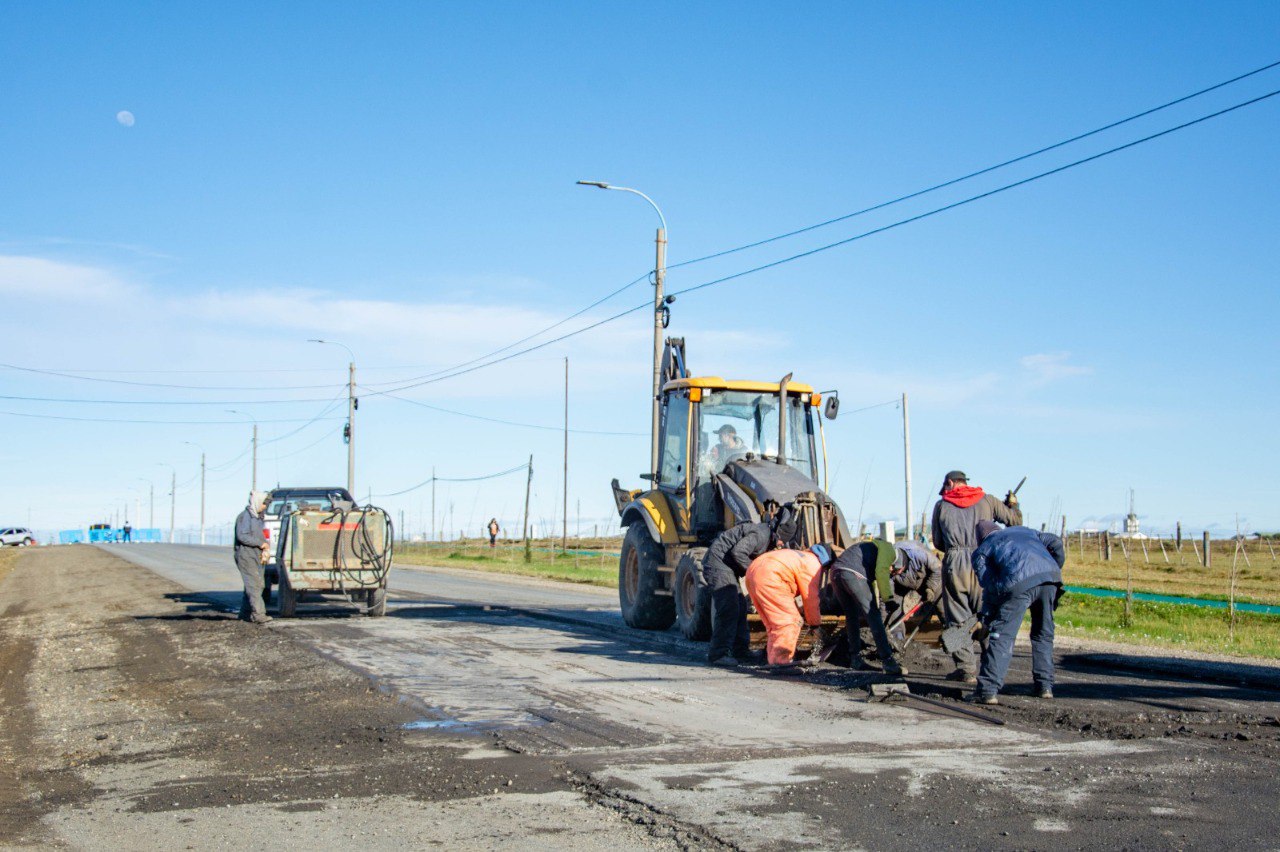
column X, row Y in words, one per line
column 280, row 501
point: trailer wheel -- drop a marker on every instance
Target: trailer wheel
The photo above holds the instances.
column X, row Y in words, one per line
column 693, row 603
column 639, row 582
column 377, row 599
column 286, row 598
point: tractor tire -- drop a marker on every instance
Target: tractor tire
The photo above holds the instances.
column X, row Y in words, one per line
column 286, row 598
column 377, row 600
column 693, row 603
column 639, row 582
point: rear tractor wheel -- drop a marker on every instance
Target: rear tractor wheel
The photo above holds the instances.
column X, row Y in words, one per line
column 639, row 582
column 692, row 600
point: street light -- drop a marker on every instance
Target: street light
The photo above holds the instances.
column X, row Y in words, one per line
column 659, row 309
column 351, row 413
column 253, row 479
column 173, row 494
column 194, row 444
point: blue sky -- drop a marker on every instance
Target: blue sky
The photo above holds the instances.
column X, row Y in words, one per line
column 401, row 178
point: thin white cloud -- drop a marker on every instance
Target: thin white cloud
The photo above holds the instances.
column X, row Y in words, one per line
column 38, row 278
column 1047, row 367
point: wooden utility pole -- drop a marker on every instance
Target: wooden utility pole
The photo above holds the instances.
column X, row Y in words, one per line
column 564, row 530
column 528, row 487
column 433, row 502
column 906, row 461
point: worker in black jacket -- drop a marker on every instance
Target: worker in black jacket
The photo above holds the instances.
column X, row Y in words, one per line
column 727, row 560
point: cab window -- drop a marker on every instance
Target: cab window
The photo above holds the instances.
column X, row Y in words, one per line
column 675, row 443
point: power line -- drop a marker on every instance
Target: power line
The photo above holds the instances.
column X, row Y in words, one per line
column 512, row 345
column 511, row 422
column 974, row 198
column 462, row 479
column 162, row 385
column 152, row 422
column 836, row 244
column 333, row 403
column 979, row 172
column 163, row 401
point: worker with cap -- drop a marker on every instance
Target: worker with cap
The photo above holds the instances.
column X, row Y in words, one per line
column 917, row 581
column 725, row 562
column 955, row 519
column 250, row 547
column 1019, row 569
column 857, row 575
column 774, row 581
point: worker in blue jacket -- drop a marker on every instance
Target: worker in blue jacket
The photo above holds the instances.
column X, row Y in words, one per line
column 1018, row 569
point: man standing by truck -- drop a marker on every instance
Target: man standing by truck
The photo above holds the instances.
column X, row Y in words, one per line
column 250, row 547
column 955, row 521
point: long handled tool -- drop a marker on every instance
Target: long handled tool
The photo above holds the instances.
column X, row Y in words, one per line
column 932, row 607
column 976, row 714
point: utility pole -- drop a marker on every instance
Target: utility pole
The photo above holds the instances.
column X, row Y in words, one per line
column 173, row 502
column 202, row 497
column 906, row 460
column 151, row 518
column 433, row 502
column 565, row 527
column 253, row 478
column 659, row 280
column 351, row 428
column 528, row 487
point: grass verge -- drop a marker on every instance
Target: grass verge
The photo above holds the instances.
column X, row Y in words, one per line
column 595, row 567
column 1169, row 626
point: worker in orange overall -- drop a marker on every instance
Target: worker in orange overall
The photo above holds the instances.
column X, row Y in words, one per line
column 774, row 581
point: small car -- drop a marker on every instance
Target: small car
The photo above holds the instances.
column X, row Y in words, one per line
column 17, row 536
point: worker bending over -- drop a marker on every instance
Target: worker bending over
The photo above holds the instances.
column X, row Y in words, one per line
column 251, row 544
column 955, row 519
column 917, row 581
column 774, row 581
column 1019, row 569
column 726, row 560
column 857, row 575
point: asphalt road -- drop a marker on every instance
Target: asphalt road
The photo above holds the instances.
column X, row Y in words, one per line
column 1124, row 757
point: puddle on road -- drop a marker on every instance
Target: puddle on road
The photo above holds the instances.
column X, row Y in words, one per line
column 432, row 724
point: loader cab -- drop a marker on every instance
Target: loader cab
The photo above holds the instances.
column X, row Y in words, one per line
column 709, row 423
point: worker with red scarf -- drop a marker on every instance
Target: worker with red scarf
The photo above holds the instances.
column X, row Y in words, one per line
column 955, row 520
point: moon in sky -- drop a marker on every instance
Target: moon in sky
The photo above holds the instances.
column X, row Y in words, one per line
column 125, row 118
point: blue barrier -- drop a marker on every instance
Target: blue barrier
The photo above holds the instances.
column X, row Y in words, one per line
column 71, row 537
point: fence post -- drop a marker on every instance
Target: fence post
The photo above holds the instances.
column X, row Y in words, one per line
column 1179, row 534
column 1106, row 546
column 1208, row 559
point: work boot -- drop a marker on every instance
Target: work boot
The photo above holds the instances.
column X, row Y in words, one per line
column 979, row 698
column 963, row 676
column 1044, row 692
column 724, row 661
column 893, row 667
column 262, row 619
column 750, row 658
column 858, row 664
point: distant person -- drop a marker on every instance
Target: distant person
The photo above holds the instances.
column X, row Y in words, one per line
column 955, row 519
column 494, row 529
column 250, row 549
column 128, row 532
column 1019, row 569
column 774, row 581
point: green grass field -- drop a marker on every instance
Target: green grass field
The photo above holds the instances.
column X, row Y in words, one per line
column 1154, row 624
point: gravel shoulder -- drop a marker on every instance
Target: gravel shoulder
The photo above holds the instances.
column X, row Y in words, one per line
column 135, row 719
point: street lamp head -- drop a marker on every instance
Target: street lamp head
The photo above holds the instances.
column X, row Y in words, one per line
column 597, row 183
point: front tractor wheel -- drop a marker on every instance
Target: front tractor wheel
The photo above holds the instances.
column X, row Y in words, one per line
column 639, row 582
column 693, row 603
